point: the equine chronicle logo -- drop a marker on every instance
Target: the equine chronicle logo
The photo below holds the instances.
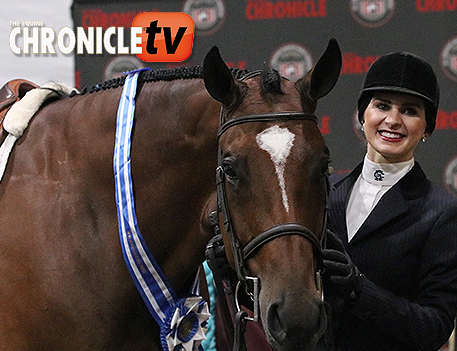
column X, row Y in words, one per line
column 450, row 176
column 208, row 15
column 35, row 38
column 372, row 13
column 154, row 37
column 449, row 59
column 378, row 175
column 292, row 61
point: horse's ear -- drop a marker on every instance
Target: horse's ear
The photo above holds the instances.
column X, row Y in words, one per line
column 324, row 75
column 219, row 82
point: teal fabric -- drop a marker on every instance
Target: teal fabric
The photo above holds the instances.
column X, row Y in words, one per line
column 210, row 343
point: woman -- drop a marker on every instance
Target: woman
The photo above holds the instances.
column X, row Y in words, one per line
column 391, row 264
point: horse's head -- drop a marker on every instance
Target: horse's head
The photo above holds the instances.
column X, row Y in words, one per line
column 272, row 186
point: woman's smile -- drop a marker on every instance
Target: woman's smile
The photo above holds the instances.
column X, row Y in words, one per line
column 391, row 136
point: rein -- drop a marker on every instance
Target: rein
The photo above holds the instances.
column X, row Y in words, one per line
column 242, row 254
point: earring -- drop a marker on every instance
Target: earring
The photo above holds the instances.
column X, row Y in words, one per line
column 424, row 139
column 362, row 129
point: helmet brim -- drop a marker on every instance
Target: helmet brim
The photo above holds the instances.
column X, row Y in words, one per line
column 395, row 89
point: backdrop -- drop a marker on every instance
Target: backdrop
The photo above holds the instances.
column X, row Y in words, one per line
column 290, row 36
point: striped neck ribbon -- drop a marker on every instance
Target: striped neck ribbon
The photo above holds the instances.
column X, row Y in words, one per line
column 182, row 321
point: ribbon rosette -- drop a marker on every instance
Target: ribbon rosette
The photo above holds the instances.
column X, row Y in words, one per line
column 187, row 325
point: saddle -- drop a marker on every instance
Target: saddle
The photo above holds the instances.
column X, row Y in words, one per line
column 11, row 92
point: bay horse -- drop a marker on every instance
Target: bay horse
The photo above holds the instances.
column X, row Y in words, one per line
column 63, row 280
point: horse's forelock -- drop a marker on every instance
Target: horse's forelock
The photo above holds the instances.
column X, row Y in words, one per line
column 271, row 81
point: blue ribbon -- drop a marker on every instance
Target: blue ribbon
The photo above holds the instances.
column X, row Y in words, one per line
column 147, row 275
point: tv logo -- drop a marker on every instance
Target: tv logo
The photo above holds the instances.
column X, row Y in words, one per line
column 165, row 36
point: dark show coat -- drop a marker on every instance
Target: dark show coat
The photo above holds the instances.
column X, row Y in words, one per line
column 407, row 249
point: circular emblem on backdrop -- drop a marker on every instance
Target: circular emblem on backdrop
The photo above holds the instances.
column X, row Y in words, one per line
column 449, row 59
column 208, row 15
column 450, row 176
column 292, row 61
column 121, row 64
column 372, row 13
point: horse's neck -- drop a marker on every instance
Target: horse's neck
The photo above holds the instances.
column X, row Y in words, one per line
column 173, row 162
column 60, row 209
column 174, row 156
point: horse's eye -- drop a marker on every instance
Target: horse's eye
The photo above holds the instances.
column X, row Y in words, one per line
column 229, row 170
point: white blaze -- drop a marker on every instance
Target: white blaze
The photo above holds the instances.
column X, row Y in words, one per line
column 278, row 142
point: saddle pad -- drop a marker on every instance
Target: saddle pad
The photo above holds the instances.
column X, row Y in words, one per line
column 19, row 115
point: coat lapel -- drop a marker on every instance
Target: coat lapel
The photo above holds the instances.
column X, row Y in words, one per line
column 390, row 206
column 393, row 204
column 341, row 190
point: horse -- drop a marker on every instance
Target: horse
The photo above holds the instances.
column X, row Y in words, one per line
column 64, row 283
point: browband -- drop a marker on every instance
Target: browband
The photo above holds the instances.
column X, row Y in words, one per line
column 266, row 117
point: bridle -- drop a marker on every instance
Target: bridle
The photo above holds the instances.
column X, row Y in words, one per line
column 242, row 254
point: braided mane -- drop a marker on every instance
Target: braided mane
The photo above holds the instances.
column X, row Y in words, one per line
column 183, row 72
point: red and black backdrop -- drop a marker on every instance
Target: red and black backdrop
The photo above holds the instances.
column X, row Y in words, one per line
column 290, row 36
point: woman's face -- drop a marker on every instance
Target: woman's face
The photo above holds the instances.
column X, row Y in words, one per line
column 394, row 124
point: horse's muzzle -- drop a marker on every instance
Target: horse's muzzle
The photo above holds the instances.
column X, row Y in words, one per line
column 295, row 324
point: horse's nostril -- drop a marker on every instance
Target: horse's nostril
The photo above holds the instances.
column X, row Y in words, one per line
column 275, row 326
column 295, row 324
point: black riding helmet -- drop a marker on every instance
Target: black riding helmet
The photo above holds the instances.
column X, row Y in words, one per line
column 402, row 72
